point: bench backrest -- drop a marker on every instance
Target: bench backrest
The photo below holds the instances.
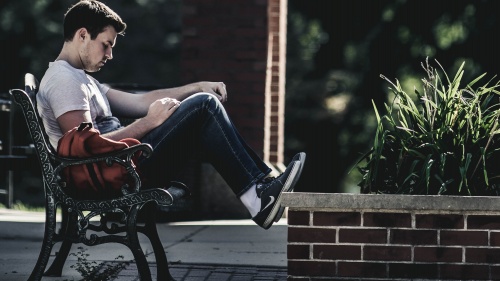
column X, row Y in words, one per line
column 31, row 88
column 46, row 155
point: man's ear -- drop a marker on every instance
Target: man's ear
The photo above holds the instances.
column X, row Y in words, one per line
column 81, row 34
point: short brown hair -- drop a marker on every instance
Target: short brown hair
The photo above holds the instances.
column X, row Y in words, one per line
column 93, row 16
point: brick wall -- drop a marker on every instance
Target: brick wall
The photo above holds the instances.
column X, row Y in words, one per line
column 243, row 44
column 401, row 241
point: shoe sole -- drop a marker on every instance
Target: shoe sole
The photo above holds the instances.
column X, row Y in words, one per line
column 301, row 157
column 289, row 183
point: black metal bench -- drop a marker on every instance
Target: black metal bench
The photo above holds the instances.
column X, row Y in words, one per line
column 76, row 224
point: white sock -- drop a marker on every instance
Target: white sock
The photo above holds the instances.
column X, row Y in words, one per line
column 251, row 201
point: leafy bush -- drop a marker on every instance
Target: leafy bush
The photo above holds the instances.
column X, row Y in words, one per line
column 446, row 143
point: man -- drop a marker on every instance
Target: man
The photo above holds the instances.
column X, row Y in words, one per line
column 178, row 122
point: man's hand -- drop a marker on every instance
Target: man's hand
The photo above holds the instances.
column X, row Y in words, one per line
column 217, row 89
column 160, row 110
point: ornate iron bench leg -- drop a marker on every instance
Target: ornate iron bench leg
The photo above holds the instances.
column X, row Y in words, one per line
column 48, row 240
column 68, row 223
column 135, row 246
column 162, row 270
column 55, row 270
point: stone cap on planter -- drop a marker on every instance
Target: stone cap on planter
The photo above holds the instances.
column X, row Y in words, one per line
column 390, row 202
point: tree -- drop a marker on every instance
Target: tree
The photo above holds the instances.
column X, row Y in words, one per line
column 366, row 39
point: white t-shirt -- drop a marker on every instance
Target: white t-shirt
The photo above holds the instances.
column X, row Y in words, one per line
column 64, row 88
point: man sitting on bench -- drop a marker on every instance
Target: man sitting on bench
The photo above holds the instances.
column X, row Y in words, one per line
column 177, row 122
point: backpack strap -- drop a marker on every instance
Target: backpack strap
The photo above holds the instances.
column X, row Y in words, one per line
column 84, row 125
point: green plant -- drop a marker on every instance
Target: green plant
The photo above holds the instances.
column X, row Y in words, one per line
column 446, row 143
column 91, row 270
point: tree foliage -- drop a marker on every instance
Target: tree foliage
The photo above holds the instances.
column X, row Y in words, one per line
column 366, row 39
column 31, row 36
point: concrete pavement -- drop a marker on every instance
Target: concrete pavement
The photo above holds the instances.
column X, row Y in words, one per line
column 203, row 250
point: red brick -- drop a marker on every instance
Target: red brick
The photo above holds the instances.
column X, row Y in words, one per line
column 336, row 219
column 246, row 11
column 413, row 237
column 337, row 252
column 464, row 237
column 298, row 252
column 298, row 218
column 362, row 269
column 482, row 255
column 310, row 235
column 250, row 76
column 387, row 219
column 413, row 270
column 251, row 123
column 494, row 239
column 257, row 87
column 206, row 63
column 439, row 221
column 495, row 272
column 249, row 55
column 464, row 272
column 387, row 253
column 437, row 254
column 483, row 222
column 311, row 268
column 275, row 99
column 250, row 99
column 274, row 159
column 196, row 41
column 362, row 235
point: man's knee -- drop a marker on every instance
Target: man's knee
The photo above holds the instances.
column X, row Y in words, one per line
column 206, row 99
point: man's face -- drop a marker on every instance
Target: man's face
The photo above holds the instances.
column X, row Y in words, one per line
column 95, row 53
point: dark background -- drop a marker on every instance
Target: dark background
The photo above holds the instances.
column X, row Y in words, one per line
column 335, row 55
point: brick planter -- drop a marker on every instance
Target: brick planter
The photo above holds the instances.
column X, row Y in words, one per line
column 392, row 237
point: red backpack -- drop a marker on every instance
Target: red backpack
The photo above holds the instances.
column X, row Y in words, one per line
column 93, row 180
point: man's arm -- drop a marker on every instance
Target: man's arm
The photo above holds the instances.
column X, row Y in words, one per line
column 157, row 113
column 153, row 108
column 137, row 105
column 74, row 118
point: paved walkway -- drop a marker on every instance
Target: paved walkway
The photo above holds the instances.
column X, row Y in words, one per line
column 201, row 272
column 206, row 250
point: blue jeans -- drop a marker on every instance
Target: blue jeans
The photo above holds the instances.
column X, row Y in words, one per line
column 201, row 128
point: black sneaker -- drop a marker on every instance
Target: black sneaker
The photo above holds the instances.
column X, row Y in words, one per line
column 269, row 191
column 301, row 157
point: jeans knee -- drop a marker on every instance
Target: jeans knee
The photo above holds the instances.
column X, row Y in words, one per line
column 206, row 100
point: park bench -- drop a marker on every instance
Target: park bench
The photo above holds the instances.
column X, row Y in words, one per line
column 77, row 223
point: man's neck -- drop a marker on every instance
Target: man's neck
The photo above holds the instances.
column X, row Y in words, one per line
column 70, row 55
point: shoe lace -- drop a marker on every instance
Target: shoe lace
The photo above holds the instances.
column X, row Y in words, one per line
column 268, row 180
column 262, row 184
